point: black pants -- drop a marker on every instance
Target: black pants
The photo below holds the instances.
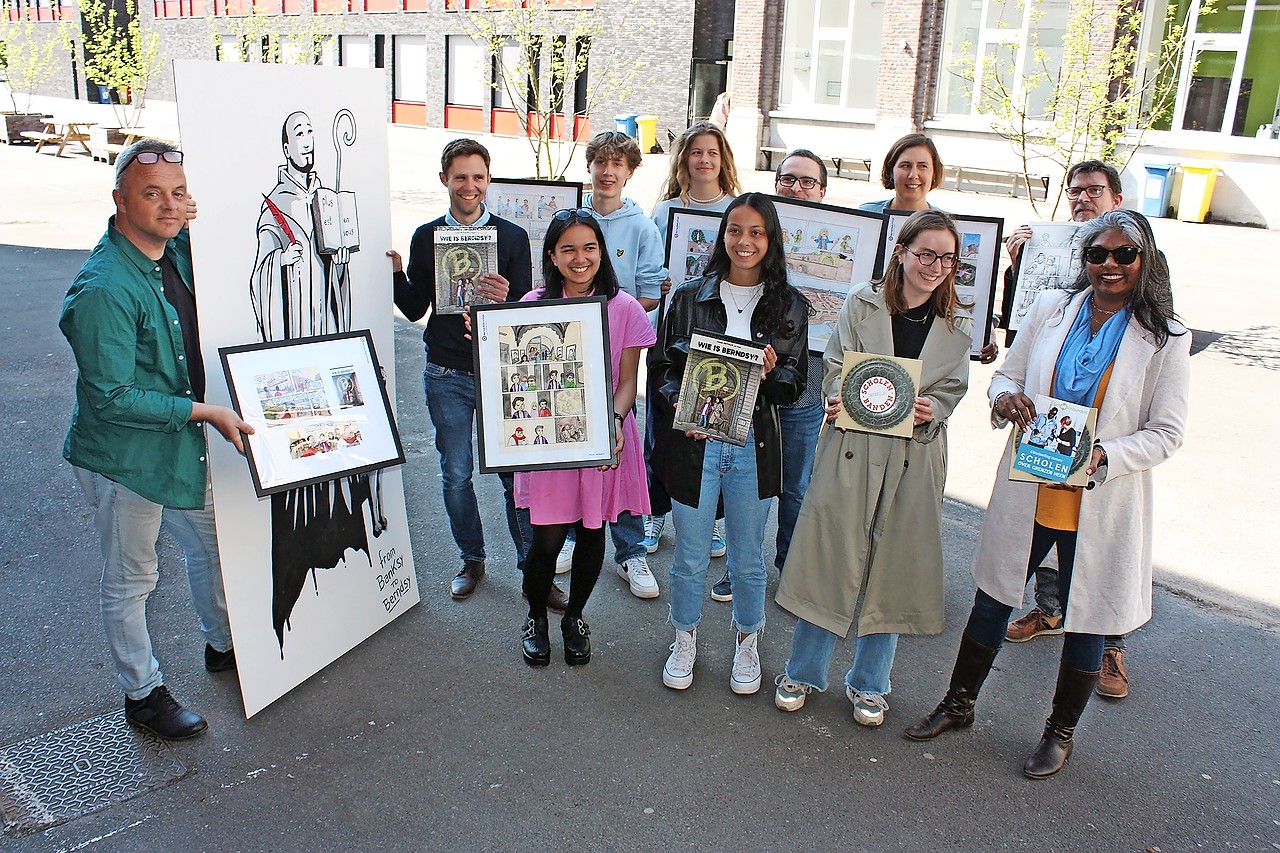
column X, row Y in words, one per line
column 540, row 566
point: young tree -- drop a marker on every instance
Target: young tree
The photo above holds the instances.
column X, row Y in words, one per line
column 1096, row 106
column 30, row 54
column 292, row 40
column 120, row 54
column 543, row 63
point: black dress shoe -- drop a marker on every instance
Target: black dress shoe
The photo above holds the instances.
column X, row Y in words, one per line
column 216, row 661
column 159, row 713
column 577, row 640
column 535, row 642
column 467, row 579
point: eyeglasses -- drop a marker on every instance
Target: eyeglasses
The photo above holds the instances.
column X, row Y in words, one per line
column 150, row 158
column 1124, row 255
column 580, row 213
column 928, row 258
column 1093, row 191
column 789, row 181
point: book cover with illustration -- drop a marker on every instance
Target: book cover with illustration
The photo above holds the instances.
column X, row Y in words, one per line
column 463, row 254
column 1056, row 446
column 719, row 387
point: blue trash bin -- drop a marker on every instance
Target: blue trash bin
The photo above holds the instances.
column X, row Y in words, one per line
column 104, row 95
column 627, row 124
column 1157, row 192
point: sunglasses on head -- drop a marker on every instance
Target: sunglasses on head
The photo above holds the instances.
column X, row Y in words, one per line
column 580, row 213
column 149, row 158
column 1124, row 255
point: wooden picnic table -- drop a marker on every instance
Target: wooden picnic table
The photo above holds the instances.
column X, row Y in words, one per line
column 62, row 132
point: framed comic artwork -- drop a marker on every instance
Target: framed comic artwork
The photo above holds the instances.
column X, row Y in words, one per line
column 829, row 249
column 691, row 235
column 719, row 387
column 531, row 204
column 977, row 267
column 318, row 407
column 1050, row 261
column 544, row 384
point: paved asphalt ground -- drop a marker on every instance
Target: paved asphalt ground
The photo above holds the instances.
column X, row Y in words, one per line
column 433, row 735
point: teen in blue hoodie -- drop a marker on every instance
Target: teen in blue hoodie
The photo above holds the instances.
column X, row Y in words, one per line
column 636, row 251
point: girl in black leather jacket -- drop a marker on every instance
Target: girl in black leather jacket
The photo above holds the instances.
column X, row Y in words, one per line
column 744, row 294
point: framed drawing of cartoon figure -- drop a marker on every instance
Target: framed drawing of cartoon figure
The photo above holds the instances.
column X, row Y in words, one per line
column 531, row 204
column 543, row 384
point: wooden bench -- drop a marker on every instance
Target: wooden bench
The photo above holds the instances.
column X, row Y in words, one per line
column 62, row 132
column 997, row 182
column 41, row 137
column 859, row 166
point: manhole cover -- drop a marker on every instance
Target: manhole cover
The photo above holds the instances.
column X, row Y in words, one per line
column 56, row 777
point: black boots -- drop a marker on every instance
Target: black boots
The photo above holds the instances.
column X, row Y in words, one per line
column 1069, row 699
column 535, row 642
column 577, row 640
column 973, row 662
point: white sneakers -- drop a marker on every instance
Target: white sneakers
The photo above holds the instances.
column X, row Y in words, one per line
column 678, row 672
column 745, row 679
column 653, row 532
column 635, row 572
column 790, row 695
column 868, row 708
column 564, row 560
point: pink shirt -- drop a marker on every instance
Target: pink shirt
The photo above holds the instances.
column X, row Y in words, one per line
column 587, row 494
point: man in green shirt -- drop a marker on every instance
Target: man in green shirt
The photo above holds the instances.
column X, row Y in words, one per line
column 137, row 440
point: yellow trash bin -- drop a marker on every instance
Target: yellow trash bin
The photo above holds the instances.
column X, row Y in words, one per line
column 648, row 126
column 1197, row 191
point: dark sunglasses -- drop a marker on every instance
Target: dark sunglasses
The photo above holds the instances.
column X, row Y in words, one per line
column 1124, row 255
column 580, row 213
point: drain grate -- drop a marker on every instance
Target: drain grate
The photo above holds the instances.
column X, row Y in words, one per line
column 56, row 777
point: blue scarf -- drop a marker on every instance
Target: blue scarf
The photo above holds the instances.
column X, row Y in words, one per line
column 1085, row 356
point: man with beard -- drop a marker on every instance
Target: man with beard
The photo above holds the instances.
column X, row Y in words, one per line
column 297, row 291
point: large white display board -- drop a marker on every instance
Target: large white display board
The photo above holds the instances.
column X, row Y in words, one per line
column 288, row 165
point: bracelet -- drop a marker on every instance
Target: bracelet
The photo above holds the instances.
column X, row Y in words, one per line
column 620, row 418
column 995, row 404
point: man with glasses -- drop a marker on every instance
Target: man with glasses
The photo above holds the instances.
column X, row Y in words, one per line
column 1092, row 189
column 137, row 440
column 448, row 380
column 802, row 175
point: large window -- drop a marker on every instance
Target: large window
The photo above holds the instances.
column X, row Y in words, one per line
column 1229, row 78
column 1001, row 48
column 410, row 62
column 465, row 73
column 831, row 53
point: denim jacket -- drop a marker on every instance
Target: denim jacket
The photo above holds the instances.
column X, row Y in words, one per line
column 132, row 417
column 677, row 459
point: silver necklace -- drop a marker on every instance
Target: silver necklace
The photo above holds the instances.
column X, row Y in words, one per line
column 922, row 320
column 758, row 289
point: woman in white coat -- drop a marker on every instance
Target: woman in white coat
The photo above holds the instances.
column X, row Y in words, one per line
column 1111, row 341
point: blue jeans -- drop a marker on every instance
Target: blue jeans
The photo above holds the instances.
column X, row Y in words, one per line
column 800, row 428
column 989, row 619
column 1050, row 605
column 812, row 648
column 128, row 526
column 451, row 402
column 729, row 471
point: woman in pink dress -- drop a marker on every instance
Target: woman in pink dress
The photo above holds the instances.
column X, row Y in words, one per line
column 575, row 264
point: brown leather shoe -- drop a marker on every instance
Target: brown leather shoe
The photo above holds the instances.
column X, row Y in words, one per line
column 1033, row 624
column 556, row 598
column 1113, row 680
column 467, row 580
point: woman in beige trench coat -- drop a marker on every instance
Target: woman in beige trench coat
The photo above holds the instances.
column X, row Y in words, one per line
column 872, row 516
column 1111, row 341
